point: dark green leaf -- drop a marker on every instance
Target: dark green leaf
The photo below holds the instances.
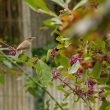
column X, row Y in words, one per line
column 96, row 70
column 104, row 105
column 62, row 60
column 43, row 72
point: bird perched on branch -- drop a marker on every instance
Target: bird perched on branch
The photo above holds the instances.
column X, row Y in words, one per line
column 25, row 45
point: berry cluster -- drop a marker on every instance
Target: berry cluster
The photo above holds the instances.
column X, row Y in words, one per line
column 12, row 52
column 54, row 52
column 55, row 74
column 75, row 58
column 90, row 83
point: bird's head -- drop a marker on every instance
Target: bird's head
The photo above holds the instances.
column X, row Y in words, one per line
column 30, row 38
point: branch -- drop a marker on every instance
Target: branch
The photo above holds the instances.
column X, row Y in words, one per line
column 74, row 91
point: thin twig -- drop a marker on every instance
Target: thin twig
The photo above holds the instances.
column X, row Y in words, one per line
column 74, row 91
column 7, row 45
column 67, row 7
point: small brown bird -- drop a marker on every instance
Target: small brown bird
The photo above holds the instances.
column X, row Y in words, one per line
column 25, row 45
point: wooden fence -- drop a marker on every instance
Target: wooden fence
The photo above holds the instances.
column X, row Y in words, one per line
column 14, row 26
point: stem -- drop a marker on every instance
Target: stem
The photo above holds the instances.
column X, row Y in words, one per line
column 74, row 91
column 7, row 45
column 67, row 7
column 38, row 84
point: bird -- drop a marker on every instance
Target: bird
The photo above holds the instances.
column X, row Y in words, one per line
column 25, row 45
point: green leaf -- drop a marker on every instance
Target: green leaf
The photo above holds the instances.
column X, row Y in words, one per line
column 7, row 63
column 108, row 107
column 96, row 70
column 52, row 22
column 48, row 54
column 62, row 60
column 22, row 58
column 36, row 4
column 39, row 4
column 64, row 104
column 66, row 95
column 100, row 44
column 103, row 80
column 43, row 72
column 61, row 88
column 60, row 39
column 106, row 94
column 74, row 67
column 59, row 46
column 30, row 86
column 68, row 1
column 33, row 61
column 85, row 89
column 104, row 105
column 81, row 3
column 71, row 77
column 93, row 99
column 56, row 21
column 59, row 2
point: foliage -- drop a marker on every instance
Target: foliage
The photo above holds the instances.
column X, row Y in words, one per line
column 81, row 56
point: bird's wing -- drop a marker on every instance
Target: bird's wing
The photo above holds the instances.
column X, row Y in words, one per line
column 24, row 45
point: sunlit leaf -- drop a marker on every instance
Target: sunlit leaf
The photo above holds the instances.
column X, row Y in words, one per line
column 32, row 61
column 22, row 58
column 74, row 67
column 59, row 46
column 39, row 4
column 71, row 77
column 36, row 4
column 68, row 1
column 81, row 3
column 52, row 22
